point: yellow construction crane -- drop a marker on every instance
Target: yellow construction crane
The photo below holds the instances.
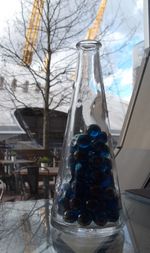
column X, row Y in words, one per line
column 32, row 31
column 33, row 28
column 94, row 29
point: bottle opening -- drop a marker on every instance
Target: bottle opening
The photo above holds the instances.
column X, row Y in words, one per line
column 88, row 44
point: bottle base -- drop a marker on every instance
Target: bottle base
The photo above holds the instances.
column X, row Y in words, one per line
column 87, row 231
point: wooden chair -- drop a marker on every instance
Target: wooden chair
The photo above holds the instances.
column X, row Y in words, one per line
column 4, row 196
column 2, row 189
column 37, row 183
column 46, row 183
column 30, row 180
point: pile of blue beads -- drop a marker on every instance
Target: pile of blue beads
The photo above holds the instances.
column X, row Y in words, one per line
column 90, row 195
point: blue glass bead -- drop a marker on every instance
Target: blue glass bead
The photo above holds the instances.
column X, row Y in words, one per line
column 113, row 216
column 106, row 165
column 91, row 153
column 75, row 203
column 103, row 137
column 83, row 141
column 80, row 156
column 96, row 192
column 105, row 151
column 79, row 171
column 100, row 218
column 100, row 148
column 92, row 205
column 85, row 218
column 110, row 193
column 97, row 146
column 101, row 205
column 78, row 166
column 78, row 188
column 71, row 215
column 112, row 204
column 107, row 182
column 94, row 131
column 96, row 161
column 112, row 209
column 96, row 177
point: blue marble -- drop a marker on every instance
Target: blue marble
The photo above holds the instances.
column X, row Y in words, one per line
column 100, row 148
column 105, row 152
column 95, row 192
column 103, row 137
column 94, row 131
column 90, row 195
column 96, row 176
column 92, row 205
column 83, row 141
column 69, row 193
column 113, row 216
column 112, row 204
column 109, row 193
column 107, row 182
column 80, row 171
column 95, row 161
column 100, row 218
column 71, row 215
column 85, row 218
column 75, row 203
column 80, row 156
column 78, row 188
column 106, row 165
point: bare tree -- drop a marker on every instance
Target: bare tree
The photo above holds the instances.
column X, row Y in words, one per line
column 62, row 22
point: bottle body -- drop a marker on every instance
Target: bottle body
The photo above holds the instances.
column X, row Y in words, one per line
column 87, row 197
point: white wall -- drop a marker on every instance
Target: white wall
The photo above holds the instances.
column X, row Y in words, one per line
column 133, row 160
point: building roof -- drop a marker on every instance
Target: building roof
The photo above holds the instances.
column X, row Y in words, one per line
column 9, row 125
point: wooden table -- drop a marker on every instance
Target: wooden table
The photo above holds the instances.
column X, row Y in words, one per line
column 17, row 161
column 49, row 171
column 44, row 175
column 9, row 169
column 9, row 163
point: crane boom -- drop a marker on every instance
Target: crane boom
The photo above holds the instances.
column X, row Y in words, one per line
column 34, row 23
column 93, row 30
column 32, row 31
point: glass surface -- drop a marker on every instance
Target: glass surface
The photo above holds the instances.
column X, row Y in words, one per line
column 137, row 211
column 87, row 198
column 25, row 227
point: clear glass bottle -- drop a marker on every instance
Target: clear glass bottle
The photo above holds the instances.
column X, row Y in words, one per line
column 87, row 198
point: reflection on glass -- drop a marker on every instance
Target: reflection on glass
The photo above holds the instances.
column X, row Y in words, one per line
column 67, row 243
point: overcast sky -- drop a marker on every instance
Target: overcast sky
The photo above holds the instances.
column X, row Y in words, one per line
column 128, row 29
column 128, row 15
column 8, row 9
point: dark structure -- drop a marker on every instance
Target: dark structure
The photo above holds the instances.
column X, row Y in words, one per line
column 31, row 120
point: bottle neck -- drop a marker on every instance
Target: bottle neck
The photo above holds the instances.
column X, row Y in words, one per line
column 89, row 68
column 89, row 84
